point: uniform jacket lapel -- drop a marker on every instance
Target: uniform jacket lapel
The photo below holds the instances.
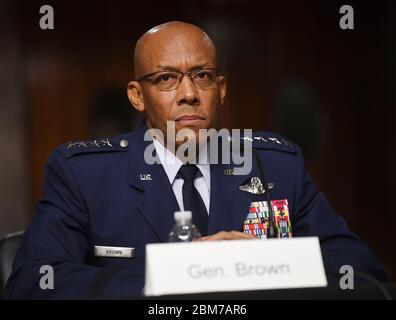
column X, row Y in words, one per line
column 158, row 202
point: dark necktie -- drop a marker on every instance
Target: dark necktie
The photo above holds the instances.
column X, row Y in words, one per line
column 192, row 200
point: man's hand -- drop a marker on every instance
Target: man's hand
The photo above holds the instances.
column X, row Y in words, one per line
column 227, row 235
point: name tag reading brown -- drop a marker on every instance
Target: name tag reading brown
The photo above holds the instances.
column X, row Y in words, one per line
column 114, row 252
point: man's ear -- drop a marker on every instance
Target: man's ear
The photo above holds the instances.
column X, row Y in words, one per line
column 222, row 88
column 135, row 95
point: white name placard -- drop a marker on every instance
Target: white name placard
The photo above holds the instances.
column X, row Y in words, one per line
column 236, row 265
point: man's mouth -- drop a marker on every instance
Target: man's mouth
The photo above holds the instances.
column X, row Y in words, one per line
column 189, row 120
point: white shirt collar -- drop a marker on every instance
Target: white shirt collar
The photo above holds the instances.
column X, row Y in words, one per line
column 172, row 164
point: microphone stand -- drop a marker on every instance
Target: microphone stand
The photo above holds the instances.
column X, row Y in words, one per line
column 271, row 232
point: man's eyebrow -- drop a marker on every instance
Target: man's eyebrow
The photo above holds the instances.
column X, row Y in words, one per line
column 170, row 68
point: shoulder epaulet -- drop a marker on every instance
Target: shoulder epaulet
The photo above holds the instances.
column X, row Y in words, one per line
column 72, row 148
column 266, row 140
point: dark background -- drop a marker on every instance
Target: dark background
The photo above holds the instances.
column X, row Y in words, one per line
column 290, row 69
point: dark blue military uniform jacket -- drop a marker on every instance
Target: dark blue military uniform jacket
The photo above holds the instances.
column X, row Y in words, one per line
column 93, row 195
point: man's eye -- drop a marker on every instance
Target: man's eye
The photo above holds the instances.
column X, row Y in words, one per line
column 204, row 75
column 166, row 77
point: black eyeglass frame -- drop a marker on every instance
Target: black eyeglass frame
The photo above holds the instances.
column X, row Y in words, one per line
column 182, row 74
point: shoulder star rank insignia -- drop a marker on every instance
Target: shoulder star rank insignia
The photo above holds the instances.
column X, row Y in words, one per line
column 92, row 143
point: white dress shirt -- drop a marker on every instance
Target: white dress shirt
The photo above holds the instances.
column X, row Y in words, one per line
column 172, row 164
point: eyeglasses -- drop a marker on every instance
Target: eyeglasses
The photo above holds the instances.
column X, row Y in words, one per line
column 170, row 80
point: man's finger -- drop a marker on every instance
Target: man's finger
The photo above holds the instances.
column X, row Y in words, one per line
column 243, row 235
column 231, row 235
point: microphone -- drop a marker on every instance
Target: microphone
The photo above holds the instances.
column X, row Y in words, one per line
column 271, row 232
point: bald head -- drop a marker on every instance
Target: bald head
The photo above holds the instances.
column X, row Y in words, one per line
column 172, row 40
column 161, row 55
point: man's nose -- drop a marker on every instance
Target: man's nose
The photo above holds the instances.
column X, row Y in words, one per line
column 187, row 92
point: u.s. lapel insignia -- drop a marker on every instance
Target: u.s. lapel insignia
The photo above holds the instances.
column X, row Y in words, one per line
column 145, row 177
column 229, row 172
column 254, row 186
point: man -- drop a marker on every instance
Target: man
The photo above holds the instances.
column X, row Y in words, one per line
column 101, row 195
